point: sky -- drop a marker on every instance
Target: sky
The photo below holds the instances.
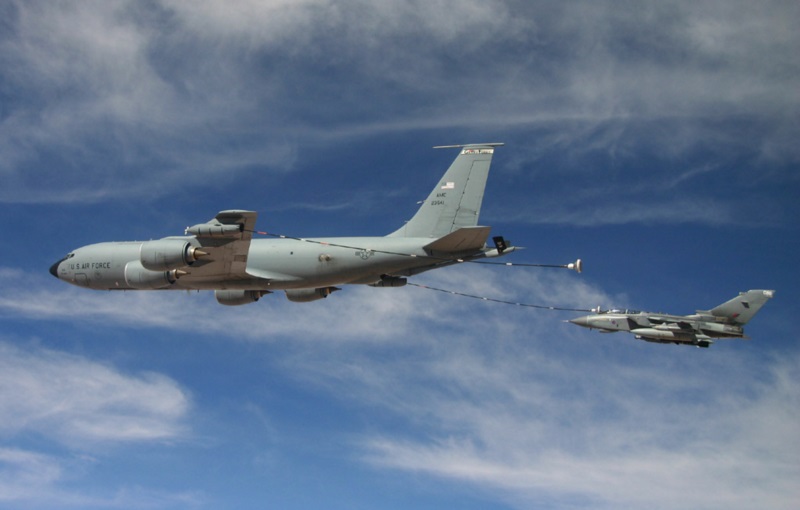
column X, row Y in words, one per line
column 656, row 141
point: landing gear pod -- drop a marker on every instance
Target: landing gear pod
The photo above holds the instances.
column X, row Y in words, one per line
column 238, row 297
column 307, row 295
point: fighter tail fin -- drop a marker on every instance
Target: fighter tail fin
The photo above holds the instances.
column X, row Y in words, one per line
column 743, row 307
column 455, row 201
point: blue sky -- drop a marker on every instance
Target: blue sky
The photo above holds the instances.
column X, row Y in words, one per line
column 656, row 141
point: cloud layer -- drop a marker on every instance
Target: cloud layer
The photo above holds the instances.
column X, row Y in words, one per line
column 512, row 403
column 512, row 429
column 127, row 96
column 125, row 117
column 82, row 407
column 75, row 401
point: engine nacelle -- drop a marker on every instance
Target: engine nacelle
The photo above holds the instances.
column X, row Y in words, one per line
column 306, row 295
column 238, row 297
column 166, row 254
column 138, row 277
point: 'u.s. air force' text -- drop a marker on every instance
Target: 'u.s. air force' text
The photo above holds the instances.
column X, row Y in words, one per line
column 91, row 265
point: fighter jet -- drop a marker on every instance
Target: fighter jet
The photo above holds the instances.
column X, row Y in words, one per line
column 221, row 254
column 724, row 321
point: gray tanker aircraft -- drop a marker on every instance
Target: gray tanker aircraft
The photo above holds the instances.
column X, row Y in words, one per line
column 724, row 321
column 222, row 256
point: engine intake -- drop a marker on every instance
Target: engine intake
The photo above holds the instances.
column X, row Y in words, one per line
column 166, row 254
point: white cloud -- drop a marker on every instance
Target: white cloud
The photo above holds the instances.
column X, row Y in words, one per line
column 359, row 313
column 83, row 406
column 634, row 210
column 510, row 401
column 125, row 95
column 34, row 480
column 505, row 399
column 530, row 429
column 97, row 100
column 76, row 401
column 24, row 474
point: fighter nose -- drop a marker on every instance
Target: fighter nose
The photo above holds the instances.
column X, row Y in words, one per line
column 581, row 321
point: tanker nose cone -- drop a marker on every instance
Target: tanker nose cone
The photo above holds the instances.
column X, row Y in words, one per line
column 54, row 267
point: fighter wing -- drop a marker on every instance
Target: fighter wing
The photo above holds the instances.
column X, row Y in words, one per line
column 674, row 322
column 226, row 239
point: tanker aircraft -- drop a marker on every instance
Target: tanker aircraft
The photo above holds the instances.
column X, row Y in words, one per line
column 700, row 329
column 221, row 254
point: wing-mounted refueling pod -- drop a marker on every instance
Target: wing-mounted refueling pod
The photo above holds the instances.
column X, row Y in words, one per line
column 232, row 224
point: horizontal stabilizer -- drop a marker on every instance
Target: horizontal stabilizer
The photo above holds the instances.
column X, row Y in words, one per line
column 465, row 239
column 470, row 145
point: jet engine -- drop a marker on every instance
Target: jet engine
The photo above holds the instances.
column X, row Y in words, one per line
column 141, row 278
column 306, row 295
column 166, row 254
column 238, row 297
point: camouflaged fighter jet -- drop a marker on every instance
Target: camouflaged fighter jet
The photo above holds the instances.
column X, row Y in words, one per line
column 724, row 321
column 222, row 256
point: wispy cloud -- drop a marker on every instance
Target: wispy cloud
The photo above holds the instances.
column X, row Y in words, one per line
column 634, row 210
column 86, row 408
column 35, row 480
column 533, row 429
column 508, row 400
column 113, row 97
column 530, row 412
column 77, row 401
column 24, row 474
column 360, row 313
